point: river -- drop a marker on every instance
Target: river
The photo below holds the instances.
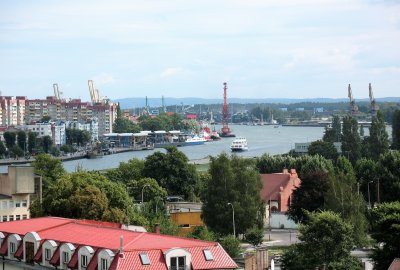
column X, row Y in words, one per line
column 261, row 139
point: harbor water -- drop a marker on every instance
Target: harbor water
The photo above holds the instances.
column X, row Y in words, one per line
column 261, row 139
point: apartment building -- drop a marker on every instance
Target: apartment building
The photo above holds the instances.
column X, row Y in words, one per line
column 91, row 126
column 12, row 110
column 73, row 110
column 60, row 243
column 18, row 188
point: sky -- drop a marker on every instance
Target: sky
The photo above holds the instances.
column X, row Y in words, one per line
column 186, row 48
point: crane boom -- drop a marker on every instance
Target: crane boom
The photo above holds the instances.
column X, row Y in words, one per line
column 353, row 106
column 374, row 107
column 56, row 91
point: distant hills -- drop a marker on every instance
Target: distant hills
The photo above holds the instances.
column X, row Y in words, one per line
column 136, row 102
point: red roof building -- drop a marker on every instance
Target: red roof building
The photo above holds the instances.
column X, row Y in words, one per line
column 278, row 188
column 60, row 243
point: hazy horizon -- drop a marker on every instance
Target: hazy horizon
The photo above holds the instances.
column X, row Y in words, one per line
column 177, row 48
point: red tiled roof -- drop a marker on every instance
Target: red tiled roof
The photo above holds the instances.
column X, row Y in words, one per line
column 130, row 258
column 38, row 255
column 221, row 258
column 32, row 225
column 272, row 184
column 395, row 265
column 4, row 246
column 105, row 235
column 55, row 260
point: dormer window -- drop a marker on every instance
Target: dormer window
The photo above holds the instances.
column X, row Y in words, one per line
column 144, row 258
column 13, row 247
column 84, row 260
column 65, row 257
column 208, row 255
column 177, row 263
column 103, row 264
column 47, row 254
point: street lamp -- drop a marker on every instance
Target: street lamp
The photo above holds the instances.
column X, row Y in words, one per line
column 233, row 220
column 143, row 190
column 369, row 196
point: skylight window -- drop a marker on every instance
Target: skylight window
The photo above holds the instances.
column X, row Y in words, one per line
column 208, row 255
column 144, row 258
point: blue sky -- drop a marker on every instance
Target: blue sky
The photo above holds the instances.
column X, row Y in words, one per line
column 183, row 48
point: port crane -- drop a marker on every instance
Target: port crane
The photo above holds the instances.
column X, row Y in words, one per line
column 374, row 107
column 225, row 131
column 94, row 93
column 353, row 106
column 57, row 93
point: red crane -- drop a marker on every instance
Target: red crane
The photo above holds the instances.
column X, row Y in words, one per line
column 225, row 131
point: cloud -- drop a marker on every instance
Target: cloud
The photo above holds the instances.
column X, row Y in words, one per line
column 103, row 79
column 171, row 72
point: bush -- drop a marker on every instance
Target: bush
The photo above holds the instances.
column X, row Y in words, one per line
column 231, row 245
column 254, row 236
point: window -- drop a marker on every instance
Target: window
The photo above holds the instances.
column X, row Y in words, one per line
column 84, row 260
column 11, row 218
column 11, row 204
column 144, row 258
column 24, row 203
column 17, row 203
column 12, row 247
column 47, row 254
column 177, row 263
column 24, row 216
column 65, row 257
column 208, row 255
column 4, row 205
column 5, row 218
column 104, row 264
column 18, row 217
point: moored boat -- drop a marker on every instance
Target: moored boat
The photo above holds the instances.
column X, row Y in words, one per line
column 195, row 140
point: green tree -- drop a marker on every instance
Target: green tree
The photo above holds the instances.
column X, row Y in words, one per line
column 3, row 149
column 351, row 143
column 366, row 171
column 326, row 242
column 148, row 187
column 126, row 171
column 49, row 168
column 123, row 125
column 343, row 198
column 47, row 142
column 31, row 141
column 254, row 236
column 9, row 138
column 236, row 181
column 329, row 135
column 396, row 130
column 325, row 149
column 310, row 196
column 89, row 195
column 378, row 137
column 389, row 177
column 173, row 172
column 386, row 231
column 202, row 233
column 21, row 139
column 231, row 245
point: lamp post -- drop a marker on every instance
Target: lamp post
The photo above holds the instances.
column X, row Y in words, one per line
column 233, row 220
column 143, row 190
column 369, row 196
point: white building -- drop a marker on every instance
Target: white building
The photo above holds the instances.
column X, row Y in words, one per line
column 90, row 126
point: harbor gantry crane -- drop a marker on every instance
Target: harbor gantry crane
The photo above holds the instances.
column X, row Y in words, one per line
column 353, row 106
column 374, row 107
column 94, row 93
column 57, row 93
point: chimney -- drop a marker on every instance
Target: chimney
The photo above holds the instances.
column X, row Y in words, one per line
column 285, row 171
column 157, row 228
column 121, row 241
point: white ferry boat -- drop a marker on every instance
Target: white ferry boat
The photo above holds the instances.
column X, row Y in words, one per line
column 196, row 140
column 239, row 144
